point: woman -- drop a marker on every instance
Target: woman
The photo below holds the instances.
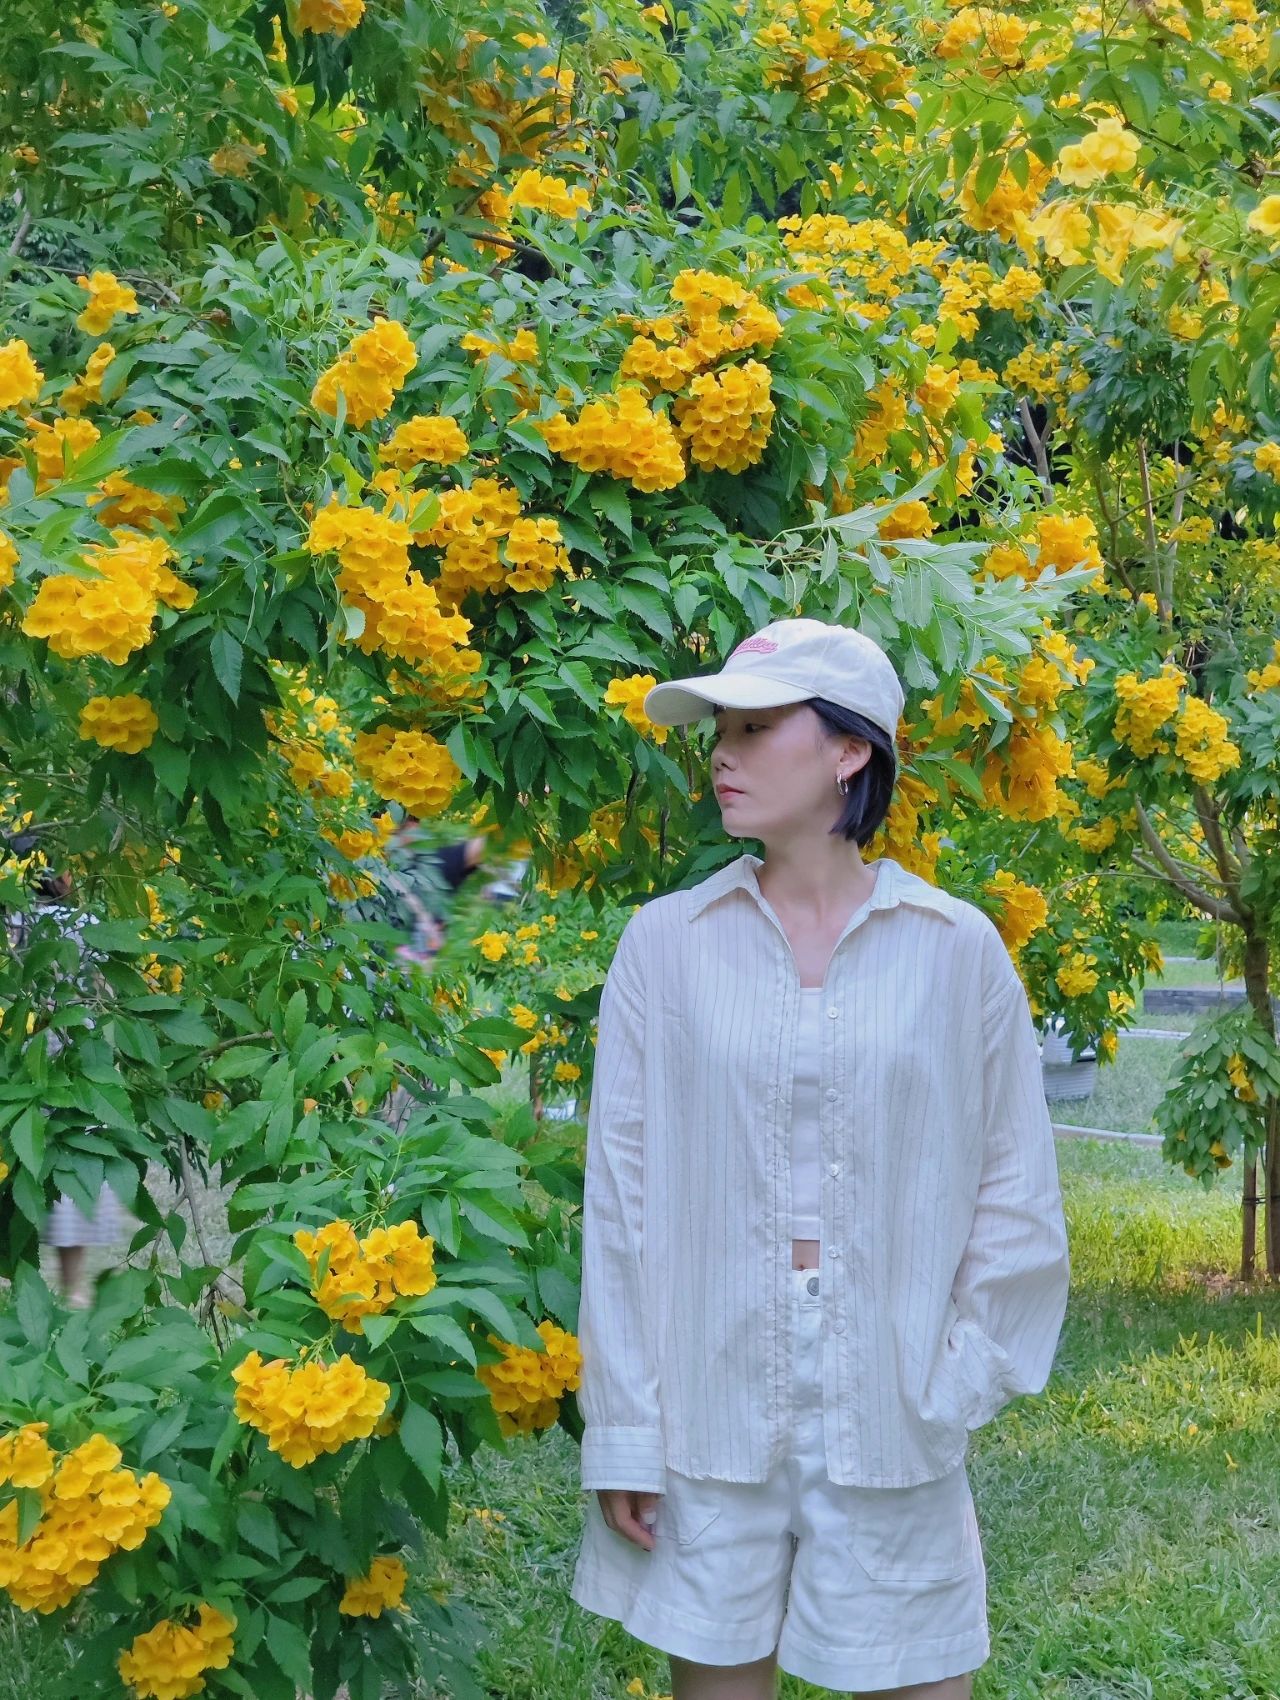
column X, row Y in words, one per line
column 823, row 1235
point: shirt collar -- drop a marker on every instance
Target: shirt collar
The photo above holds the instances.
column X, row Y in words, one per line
column 894, row 885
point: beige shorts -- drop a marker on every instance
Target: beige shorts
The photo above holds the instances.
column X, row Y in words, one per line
column 856, row 1588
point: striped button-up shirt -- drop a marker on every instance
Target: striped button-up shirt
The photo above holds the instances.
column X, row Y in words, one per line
column 943, row 1252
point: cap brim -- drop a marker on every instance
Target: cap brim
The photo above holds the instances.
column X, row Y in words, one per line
column 677, row 703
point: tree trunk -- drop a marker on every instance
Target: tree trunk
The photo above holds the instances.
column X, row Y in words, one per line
column 1249, row 1223
column 1257, row 981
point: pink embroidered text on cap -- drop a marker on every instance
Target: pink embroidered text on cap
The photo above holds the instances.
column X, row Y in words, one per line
column 759, row 645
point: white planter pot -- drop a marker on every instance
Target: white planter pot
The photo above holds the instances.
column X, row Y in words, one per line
column 1063, row 1075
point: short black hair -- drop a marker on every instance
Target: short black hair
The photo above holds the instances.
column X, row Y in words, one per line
column 871, row 787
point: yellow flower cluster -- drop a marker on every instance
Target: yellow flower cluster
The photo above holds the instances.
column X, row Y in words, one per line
column 310, row 1409
column 168, row 1662
column 130, row 504
column 357, row 843
column 365, row 1277
column 1064, row 541
column 402, row 613
column 535, row 553
column 620, row 434
column 108, row 297
column 1078, row 976
column 1025, row 910
column 90, row 1508
column 85, row 390
column 111, row 614
column 1260, row 678
column 540, row 193
column 1265, row 217
column 425, row 437
column 1098, row 837
column 827, row 49
column 58, row 446
column 995, row 35
column 408, row 767
column 236, row 158
column 526, row 1387
column 1024, row 785
column 717, row 316
column 629, row 694
column 1108, row 150
column 726, row 417
column 381, row 1590
column 329, row 17
column 20, row 377
column 8, row 561
column 126, row 723
column 487, row 544
column 1238, row 1072
column 1009, row 206
column 908, row 519
column 368, row 374
column 1202, row 743
column 1145, row 706
column 888, row 413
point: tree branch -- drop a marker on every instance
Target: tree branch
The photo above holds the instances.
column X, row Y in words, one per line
column 1219, row 908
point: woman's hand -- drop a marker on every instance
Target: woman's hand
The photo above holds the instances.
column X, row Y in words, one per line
column 630, row 1513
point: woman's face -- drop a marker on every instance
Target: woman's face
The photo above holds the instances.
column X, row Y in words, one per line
column 774, row 771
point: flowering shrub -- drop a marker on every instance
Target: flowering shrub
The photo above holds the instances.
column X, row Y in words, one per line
column 462, row 382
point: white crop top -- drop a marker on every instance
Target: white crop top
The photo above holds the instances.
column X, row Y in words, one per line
column 805, row 1154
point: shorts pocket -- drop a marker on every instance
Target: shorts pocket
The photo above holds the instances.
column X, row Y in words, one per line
column 686, row 1515
column 924, row 1533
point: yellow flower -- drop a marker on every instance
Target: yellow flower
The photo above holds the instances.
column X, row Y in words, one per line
column 1078, row 975
column 435, row 437
column 107, row 298
column 629, row 694
column 380, row 1590
column 1202, row 743
column 535, row 190
column 1025, row 909
column 236, row 159
column 170, row 1659
column 310, row 1409
column 126, row 723
column 329, row 17
column 20, row 377
column 1265, row 217
column 1107, row 150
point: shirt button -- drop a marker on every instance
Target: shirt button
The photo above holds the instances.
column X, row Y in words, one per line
column 834, row 1169
column 831, row 1092
column 833, row 1012
column 834, row 1252
column 839, row 1325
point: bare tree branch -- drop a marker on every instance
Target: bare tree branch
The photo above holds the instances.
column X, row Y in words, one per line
column 1220, row 908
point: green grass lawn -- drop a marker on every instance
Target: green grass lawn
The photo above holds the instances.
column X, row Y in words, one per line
column 1127, row 1090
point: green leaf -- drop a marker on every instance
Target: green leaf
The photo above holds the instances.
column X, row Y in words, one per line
column 27, row 1137
column 294, row 1016
column 289, row 1647
column 612, row 501
column 171, row 765
column 227, row 656
column 422, row 1440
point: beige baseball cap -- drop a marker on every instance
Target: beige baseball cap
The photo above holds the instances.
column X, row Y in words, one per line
column 790, row 661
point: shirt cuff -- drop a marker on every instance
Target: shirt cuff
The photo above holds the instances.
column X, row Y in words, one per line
column 629, row 1458
column 984, row 1370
